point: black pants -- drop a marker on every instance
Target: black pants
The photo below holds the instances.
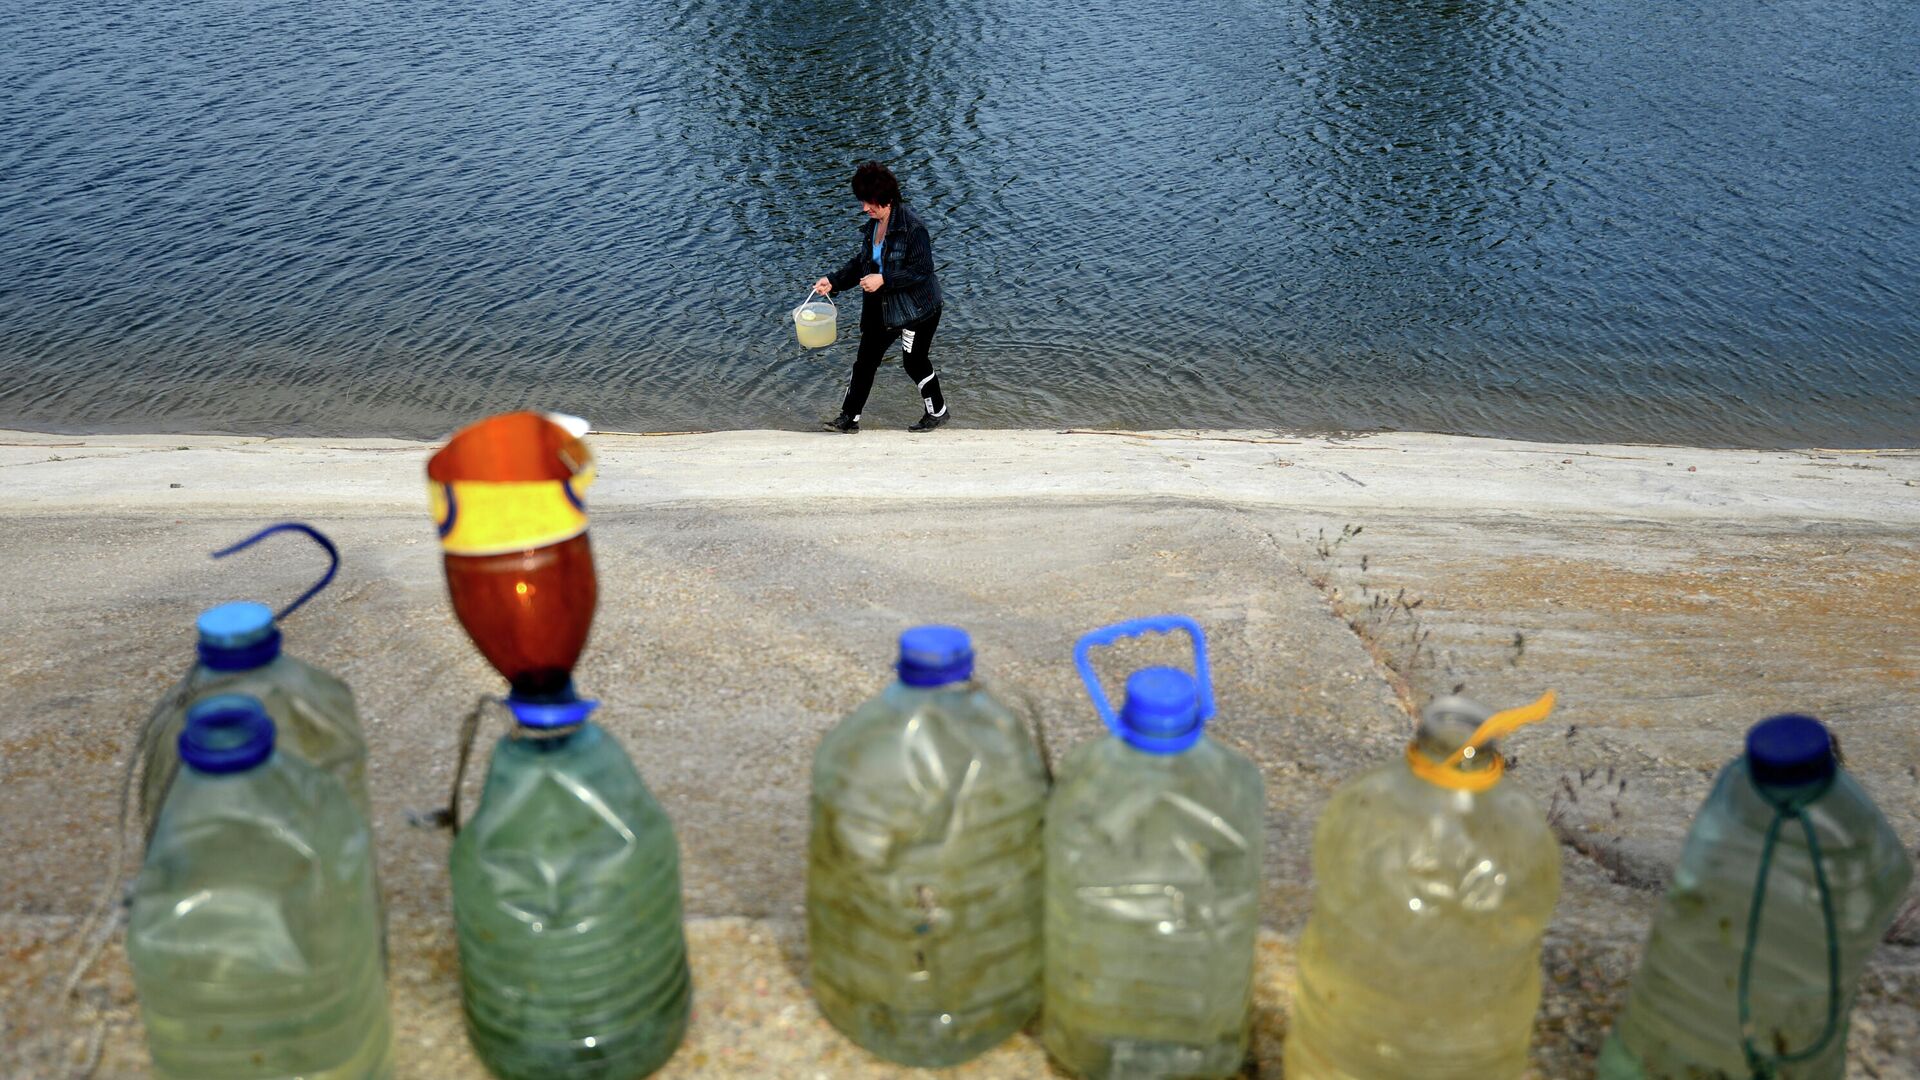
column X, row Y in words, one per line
column 875, row 337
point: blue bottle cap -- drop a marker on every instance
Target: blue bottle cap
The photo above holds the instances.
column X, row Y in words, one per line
column 238, row 636
column 1166, row 709
column 935, row 656
column 1162, row 712
column 547, row 715
column 226, row 733
column 1789, row 751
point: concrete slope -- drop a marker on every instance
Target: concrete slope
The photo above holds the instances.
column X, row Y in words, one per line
column 752, row 583
column 1396, row 472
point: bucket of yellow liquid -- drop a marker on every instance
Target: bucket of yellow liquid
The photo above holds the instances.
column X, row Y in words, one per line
column 816, row 321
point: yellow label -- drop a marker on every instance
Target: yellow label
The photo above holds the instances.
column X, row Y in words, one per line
column 484, row 518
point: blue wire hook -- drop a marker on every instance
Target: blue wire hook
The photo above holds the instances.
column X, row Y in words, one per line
column 333, row 553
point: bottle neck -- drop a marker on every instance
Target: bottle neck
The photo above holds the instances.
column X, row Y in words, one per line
column 546, row 740
column 958, row 686
column 1439, row 740
column 1791, row 799
column 1440, row 735
column 232, row 658
column 1162, row 759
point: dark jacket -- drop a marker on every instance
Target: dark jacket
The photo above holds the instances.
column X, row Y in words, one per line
column 911, row 291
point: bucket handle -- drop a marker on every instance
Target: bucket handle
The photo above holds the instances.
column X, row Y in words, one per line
column 1156, row 624
column 805, row 300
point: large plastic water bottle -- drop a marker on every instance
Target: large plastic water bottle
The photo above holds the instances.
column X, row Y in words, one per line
column 1153, row 882
column 1433, row 884
column 254, row 937
column 1788, row 880
column 923, row 873
column 566, row 899
column 240, row 653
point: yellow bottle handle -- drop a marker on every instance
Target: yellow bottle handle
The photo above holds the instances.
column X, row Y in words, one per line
column 1446, row 773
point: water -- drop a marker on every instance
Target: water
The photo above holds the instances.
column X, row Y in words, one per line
column 1153, row 893
column 816, row 325
column 254, row 934
column 924, row 874
column 1421, row 960
column 1682, row 1016
column 566, row 902
column 1569, row 219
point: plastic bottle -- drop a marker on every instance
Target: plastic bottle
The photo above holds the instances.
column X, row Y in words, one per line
column 1788, row 879
column 566, row 883
column 254, row 937
column 924, row 868
column 1433, row 885
column 566, row 900
column 239, row 652
column 1153, row 844
column 507, row 496
column 528, row 611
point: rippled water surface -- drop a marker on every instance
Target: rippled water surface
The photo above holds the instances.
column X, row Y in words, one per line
column 1572, row 219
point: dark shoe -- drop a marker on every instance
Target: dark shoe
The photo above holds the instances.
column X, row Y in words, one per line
column 928, row 421
column 844, row 424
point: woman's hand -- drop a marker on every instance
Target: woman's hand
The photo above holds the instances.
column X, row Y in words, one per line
column 823, row 286
column 871, row 282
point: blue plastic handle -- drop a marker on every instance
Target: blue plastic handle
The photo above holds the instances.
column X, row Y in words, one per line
column 1154, row 624
column 333, row 554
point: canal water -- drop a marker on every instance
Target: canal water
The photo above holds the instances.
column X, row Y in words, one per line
column 1596, row 220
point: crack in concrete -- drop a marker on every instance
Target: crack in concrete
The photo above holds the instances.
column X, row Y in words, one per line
column 85, row 457
column 1617, row 864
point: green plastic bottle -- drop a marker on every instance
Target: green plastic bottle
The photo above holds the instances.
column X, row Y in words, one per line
column 254, row 936
column 566, row 900
column 923, row 870
column 239, row 653
column 1433, row 885
column 1153, row 882
column 1789, row 878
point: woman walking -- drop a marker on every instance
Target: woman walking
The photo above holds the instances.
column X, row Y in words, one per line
column 894, row 269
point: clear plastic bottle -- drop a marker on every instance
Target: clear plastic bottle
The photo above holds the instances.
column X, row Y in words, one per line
column 313, row 712
column 1788, row 830
column 239, row 653
column 923, row 871
column 1153, row 842
column 1433, row 885
column 566, row 900
column 254, row 936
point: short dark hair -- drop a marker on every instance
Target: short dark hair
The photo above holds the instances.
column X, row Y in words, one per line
column 874, row 183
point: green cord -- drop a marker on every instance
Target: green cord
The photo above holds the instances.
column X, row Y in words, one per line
column 1765, row 1066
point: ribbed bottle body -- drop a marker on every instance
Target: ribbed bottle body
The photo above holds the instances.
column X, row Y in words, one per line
column 254, row 936
column 1421, row 959
column 1682, row 1015
column 313, row 715
column 1152, row 908
column 566, row 897
column 924, row 874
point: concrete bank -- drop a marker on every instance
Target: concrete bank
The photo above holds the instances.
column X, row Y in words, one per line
column 752, row 583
